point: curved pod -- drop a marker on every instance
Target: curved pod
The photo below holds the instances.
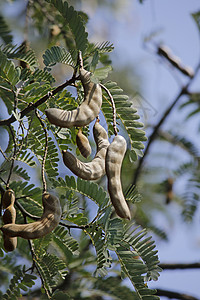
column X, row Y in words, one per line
column 86, row 112
column 96, row 168
column 9, row 217
column 114, row 157
column 83, row 144
column 49, row 220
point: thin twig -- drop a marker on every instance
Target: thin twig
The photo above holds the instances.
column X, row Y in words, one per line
column 34, row 265
column 74, row 226
column 22, row 140
column 39, row 102
column 174, row 295
column 25, row 212
column 113, row 107
column 14, row 156
column 2, row 152
column 180, row 266
column 45, row 152
column 183, row 91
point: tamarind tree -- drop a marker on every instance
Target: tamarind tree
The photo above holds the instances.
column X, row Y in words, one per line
column 91, row 251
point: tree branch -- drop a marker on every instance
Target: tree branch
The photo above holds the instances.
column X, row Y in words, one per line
column 183, row 91
column 45, row 152
column 39, row 102
column 174, row 295
column 180, row 266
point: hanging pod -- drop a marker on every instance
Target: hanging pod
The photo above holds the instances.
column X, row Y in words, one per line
column 96, row 168
column 114, row 157
column 48, row 221
column 9, row 217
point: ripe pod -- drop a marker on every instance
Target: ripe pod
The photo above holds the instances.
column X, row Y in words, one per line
column 96, row 168
column 49, row 220
column 86, row 112
column 114, row 157
column 9, row 217
column 83, row 144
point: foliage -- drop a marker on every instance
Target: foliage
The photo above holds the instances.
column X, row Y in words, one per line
column 104, row 244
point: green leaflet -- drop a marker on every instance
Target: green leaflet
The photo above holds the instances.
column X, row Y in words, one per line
column 20, row 281
column 86, row 188
column 74, row 21
column 27, row 158
column 21, row 53
column 21, row 172
column 8, row 71
column 64, row 241
column 5, row 33
column 57, row 54
column 127, row 115
column 196, row 17
column 112, row 286
column 52, row 268
column 180, row 141
column 6, row 94
column 103, row 256
column 36, row 143
column 102, row 47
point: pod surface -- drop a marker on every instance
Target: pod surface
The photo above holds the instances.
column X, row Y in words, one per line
column 114, row 157
column 96, row 168
column 86, row 112
column 49, row 220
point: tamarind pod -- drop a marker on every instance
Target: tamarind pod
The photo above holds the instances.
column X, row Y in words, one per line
column 10, row 243
column 83, row 144
column 9, row 217
column 8, row 198
column 96, row 168
column 86, row 112
column 114, row 157
column 49, row 220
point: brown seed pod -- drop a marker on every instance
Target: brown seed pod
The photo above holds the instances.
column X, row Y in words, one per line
column 9, row 217
column 114, row 157
column 49, row 220
column 8, row 198
column 86, row 112
column 83, row 144
column 10, row 243
column 96, row 168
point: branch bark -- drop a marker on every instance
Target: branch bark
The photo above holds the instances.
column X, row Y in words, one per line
column 39, row 102
column 183, row 91
column 180, row 266
column 175, row 295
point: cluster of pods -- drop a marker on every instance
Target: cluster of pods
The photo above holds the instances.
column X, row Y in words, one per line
column 48, row 221
column 109, row 157
column 108, row 160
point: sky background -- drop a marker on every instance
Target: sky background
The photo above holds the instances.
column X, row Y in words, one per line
column 126, row 29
